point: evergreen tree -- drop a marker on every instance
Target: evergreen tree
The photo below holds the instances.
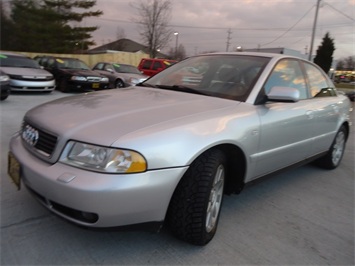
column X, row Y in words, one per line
column 6, row 29
column 47, row 26
column 324, row 57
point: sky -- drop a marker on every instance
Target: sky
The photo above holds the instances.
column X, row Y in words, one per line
column 203, row 25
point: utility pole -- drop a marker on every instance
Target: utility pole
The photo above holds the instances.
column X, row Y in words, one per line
column 228, row 39
column 314, row 31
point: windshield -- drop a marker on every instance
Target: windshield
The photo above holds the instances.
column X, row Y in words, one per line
column 126, row 69
column 225, row 76
column 69, row 63
column 17, row 61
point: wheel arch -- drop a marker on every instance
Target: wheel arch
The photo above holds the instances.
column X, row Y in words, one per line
column 235, row 168
column 347, row 127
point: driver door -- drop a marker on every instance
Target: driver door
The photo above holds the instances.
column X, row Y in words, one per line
column 286, row 127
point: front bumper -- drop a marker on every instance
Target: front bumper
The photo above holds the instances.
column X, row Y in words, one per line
column 95, row 199
column 85, row 86
column 23, row 85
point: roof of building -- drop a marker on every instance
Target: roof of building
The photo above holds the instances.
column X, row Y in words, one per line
column 123, row 45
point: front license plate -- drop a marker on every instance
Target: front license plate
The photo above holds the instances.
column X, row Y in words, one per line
column 96, row 85
column 14, row 170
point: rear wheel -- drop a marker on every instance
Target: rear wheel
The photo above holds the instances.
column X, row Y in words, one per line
column 333, row 158
column 196, row 204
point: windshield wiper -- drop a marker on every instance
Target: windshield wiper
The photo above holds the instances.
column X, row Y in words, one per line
column 180, row 88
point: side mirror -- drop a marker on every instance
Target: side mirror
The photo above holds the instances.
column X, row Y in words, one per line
column 283, row 94
column 110, row 70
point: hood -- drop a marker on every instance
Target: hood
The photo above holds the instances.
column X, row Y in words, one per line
column 24, row 71
column 103, row 117
column 132, row 75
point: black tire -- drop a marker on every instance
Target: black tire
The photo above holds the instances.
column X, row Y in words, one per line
column 119, row 84
column 333, row 158
column 3, row 97
column 195, row 206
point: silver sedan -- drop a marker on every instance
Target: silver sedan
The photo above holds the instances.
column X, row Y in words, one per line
column 171, row 147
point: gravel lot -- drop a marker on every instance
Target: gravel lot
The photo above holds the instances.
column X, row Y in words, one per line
column 302, row 217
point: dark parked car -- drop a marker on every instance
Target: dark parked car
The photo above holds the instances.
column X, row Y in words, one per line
column 167, row 151
column 72, row 74
column 120, row 75
column 4, row 86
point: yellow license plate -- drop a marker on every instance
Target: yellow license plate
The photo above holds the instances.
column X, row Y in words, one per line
column 14, row 170
column 96, row 85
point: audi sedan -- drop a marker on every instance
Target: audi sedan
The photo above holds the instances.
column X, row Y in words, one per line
column 168, row 149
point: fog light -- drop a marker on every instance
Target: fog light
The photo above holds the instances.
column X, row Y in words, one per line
column 89, row 217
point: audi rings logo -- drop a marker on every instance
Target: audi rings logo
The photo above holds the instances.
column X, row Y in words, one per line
column 30, row 135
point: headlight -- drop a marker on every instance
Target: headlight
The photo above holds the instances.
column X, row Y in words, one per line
column 103, row 159
column 104, row 80
column 78, row 78
column 4, row 77
column 133, row 81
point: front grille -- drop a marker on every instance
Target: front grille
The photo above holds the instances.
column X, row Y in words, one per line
column 44, row 144
column 31, row 78
column 94, row 79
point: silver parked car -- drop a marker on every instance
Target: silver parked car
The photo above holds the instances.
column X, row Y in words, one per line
column 25, row 73
column 120, row 75
column 170, row 148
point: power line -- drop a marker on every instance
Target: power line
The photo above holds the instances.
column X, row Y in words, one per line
column 222, row 28
column 340, row 12
column 294, row 25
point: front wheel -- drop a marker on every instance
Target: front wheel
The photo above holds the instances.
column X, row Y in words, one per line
column 119, row 84
column 196, row 204
column 333, row 158
column 3, row 97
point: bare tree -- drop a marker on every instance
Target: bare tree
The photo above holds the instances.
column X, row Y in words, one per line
column 178, row 54
column 153, row 17
column 120, row 33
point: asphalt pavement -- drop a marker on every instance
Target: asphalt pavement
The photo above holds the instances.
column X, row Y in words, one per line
column 301, row 217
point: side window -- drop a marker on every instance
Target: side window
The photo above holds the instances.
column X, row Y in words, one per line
column 50, row 62
column 108, row 67
column 287, row 73
column 44, row 62
column 157, row 65
column 99, row 66
column 146, row 64
column 318, row 84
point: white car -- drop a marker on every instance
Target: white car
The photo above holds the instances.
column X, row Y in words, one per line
column 25, row 73
column 169, row 148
